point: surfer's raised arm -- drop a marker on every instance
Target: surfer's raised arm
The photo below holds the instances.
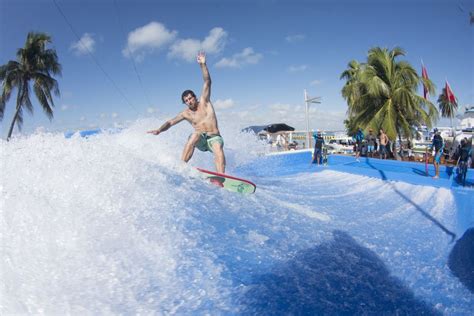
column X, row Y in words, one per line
column 168, row 124
column 206, row 89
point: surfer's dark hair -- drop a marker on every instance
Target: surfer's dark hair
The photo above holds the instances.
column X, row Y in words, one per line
column 185, row 93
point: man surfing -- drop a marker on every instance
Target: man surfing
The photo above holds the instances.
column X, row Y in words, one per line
column 201, row 115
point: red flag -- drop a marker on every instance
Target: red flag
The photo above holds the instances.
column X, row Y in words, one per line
column 450, row 94
column 424, row 74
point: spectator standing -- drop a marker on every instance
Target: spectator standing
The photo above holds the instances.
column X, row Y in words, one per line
column 410, row 149
column 437, row 147
column 464, row 161
column 318, row 148
column 359, row 137
column 383, row 139
column 371, row 141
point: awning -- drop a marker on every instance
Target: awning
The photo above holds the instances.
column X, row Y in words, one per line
column 280, row 127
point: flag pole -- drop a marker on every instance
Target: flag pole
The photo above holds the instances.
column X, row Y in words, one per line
column 449, row 94
column 307, row 101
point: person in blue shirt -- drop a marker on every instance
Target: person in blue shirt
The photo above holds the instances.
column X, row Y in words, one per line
column 318, row 148
column 437, row 146
column 359, row 137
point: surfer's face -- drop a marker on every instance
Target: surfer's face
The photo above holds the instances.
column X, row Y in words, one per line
column 190, row 101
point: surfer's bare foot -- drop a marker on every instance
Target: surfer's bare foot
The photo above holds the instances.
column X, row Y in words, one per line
column 216, row 182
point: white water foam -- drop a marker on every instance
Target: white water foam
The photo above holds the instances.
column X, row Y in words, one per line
column 116, row 224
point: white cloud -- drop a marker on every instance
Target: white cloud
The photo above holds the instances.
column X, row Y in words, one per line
column 247, row 56
column 64, row 107
column 187, row 49
column 295, row 38
column 315, row 82
column 282, row 110
column 224, row 104
column 280, row 107
column 215, row 41
column 85, row 45
column 297, row 68
column 146, row 39
column 114, row 115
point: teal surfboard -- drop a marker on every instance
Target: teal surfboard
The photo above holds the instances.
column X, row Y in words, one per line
column 228, row 182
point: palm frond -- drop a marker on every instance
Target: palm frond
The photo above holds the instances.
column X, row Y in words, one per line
column 25, row 100
column 43, row 97
column 397, row 51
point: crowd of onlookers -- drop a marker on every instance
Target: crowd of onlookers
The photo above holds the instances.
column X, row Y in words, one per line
column 368, row 145
column 380, row 146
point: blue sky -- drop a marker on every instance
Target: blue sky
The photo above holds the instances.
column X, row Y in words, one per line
column 261, row 55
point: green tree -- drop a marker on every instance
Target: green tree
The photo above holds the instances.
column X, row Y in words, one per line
column 448, row 109
column 382, row 93
column 32, row 70
column 351, row 127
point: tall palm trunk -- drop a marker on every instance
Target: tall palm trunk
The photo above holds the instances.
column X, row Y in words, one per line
column 15, row 117
column 10, row 131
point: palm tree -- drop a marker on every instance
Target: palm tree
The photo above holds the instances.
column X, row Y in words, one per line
column 385, row 94
column 448, row 108
column 36, row 64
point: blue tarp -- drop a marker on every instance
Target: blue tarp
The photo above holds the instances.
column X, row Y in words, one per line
column 90, row 132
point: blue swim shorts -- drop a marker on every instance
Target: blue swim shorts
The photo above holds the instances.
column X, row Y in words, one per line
column 317, row 154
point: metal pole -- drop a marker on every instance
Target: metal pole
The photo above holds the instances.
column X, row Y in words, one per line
column 307, row 119
column 452, row 128
column 307, row 101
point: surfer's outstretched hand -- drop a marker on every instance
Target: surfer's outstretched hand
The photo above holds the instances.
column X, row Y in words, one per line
column 154, row 132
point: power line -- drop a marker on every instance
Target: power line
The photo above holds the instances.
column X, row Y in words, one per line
column 93, row 57
column 131, row 55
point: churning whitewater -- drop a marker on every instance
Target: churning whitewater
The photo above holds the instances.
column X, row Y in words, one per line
column 116, row 224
